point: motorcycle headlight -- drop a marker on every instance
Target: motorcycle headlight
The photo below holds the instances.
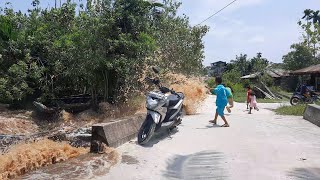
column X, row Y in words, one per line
column 152, row 103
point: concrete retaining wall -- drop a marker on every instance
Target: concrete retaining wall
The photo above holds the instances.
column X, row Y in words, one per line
column 312, row 114
column 116, row 133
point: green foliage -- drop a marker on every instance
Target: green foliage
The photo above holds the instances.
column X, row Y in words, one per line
column 305, row 53
column 300, row 57
column 211, row 83
column 258, row 63
column 180, row 46
column 232, row 76
column 101, row 50
column 312, row 15
column 244, row 66
column 310, row 23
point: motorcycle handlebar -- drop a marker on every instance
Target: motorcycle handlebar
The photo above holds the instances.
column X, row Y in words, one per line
column 161, row 88
column 154, row 81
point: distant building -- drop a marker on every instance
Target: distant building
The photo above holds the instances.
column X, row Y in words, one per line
column 314, row 75
column 217, row 68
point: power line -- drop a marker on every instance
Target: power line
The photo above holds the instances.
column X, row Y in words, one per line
column 217, row 12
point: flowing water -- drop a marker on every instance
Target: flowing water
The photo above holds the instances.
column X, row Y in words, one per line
column 193, row 89
column 85, row 166
column 16, row 124
column 40, row 158
column 47, row 159
column 22, row 158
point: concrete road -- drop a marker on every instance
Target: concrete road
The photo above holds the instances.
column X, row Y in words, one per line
column 261, row 146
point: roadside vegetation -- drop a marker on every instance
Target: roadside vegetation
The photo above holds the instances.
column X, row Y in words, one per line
column 297, row 110
column 102, row 49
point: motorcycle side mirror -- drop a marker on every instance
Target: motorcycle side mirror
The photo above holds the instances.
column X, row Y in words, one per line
column 156, row 69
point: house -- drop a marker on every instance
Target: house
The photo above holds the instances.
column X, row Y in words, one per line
column 217, row 68
column 280, row 78
column 312, row 73
column 276, row 74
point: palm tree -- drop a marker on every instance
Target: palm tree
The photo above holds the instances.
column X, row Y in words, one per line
column 316, row 17
column 312, row 15
column 307, row 14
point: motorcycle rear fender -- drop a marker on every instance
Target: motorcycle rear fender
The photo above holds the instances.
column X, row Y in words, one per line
column 155, row 116
column 297, row 96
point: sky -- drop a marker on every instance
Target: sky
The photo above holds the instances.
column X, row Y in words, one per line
column 247, row 26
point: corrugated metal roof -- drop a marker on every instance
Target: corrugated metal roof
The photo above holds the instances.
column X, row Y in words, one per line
column 251, row 76
column 277, row 73
column 273, row 74
column 315, row 69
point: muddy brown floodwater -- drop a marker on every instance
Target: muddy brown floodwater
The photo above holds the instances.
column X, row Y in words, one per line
column 17, row 123
column 86, row 166
column 47, row 159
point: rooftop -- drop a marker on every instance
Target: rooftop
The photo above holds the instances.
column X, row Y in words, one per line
column 314, row 69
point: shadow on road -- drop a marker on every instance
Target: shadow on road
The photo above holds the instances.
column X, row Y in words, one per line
column 305, row 173
column 201, row 165
column 210, row 126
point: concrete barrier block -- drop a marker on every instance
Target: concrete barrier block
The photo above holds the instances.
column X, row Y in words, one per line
column 312, row 114
column 116, row 133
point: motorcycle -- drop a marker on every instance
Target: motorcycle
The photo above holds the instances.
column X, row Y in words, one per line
column 299, row 98
column 164, row 108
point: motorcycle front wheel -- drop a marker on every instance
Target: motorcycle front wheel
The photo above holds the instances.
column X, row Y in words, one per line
column 295, row 101
column 146, row 131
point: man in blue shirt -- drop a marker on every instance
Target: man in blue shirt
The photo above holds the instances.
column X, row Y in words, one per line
column 221, row 101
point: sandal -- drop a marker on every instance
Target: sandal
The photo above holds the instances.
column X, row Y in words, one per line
column 225, row 125
column 213, row 121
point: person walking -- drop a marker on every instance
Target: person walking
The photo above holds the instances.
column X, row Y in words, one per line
column 221, row 101
column 253, row 102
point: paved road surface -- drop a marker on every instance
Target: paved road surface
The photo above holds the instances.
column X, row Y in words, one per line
column 261, row 146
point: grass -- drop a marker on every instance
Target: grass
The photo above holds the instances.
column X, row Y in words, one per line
column 273, row 100
column 291, row 110
column 240, row 97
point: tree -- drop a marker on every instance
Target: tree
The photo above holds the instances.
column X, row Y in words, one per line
column 242, row 64
column 258, row 63
column 312, row 15
column 180, row 46
column 300, row 56
column 311, row 26
column 101, row 50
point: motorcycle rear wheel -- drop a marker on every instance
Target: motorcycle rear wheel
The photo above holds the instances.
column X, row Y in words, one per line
column 295, row 101
column 146, row 131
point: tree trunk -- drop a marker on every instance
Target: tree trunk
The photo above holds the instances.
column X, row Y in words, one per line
column 106, row 85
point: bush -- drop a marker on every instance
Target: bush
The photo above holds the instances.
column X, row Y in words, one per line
column 211, row 82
